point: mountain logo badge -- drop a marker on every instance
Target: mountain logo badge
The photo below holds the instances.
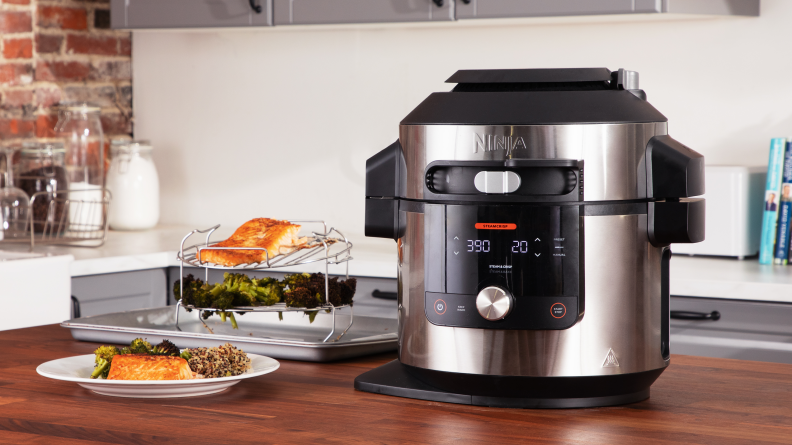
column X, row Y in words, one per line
column 610, row 360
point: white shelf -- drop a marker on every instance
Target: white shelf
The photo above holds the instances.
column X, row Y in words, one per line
column 730, row 278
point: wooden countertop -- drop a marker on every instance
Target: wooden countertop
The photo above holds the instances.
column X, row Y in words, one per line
column 696, row 400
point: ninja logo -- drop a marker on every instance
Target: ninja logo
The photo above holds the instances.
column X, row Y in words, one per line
column 490, row 142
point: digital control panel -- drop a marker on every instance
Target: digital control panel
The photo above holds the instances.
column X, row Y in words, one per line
column 531, row 251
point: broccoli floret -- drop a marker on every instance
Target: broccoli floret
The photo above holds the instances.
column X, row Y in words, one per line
column 302, row 297
column 268, row 291
column 347, row 290
column 104, row 358
column 296, row 280
column 165, row 348
column 140, row 346
column 222, row 298
column 193, row 294
column 102, row 369
column 253, row 292
column 234, row 324
column 341, row 292
column 106, row 353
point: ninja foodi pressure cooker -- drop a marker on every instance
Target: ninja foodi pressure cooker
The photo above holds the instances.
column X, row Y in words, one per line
column 533, row 212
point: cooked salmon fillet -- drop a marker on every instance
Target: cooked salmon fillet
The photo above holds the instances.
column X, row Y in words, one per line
column 278, row 237
column 149, row 367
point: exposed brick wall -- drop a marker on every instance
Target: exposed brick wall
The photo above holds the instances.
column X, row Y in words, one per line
column 54, row 51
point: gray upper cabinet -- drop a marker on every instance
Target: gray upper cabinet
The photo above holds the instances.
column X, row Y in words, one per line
column 314, row 12
column 140, row 14
column 547, row 8
column 540, row 8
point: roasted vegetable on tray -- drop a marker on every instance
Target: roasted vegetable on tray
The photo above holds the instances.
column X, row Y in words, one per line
column 296, row 290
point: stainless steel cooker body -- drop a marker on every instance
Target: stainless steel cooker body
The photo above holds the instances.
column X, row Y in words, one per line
column 619, row 331
column 533, row 212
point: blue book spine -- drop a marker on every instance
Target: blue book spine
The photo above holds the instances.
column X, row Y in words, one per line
column 771, row 200
column 785, row 215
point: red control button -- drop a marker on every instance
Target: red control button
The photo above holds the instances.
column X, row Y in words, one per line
column 558, row 310
column 440, row 307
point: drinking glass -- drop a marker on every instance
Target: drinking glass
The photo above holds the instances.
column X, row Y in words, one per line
column 14, row 202
column 80, row 126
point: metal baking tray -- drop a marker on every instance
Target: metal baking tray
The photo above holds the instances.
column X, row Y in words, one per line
column 293, row 338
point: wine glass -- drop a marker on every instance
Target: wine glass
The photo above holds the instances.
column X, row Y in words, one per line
column 14, row 202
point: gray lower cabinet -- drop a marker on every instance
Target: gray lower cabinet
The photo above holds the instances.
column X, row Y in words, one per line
column 312, row 12
column 115, row 292
column 140, row 14
column 746, row 330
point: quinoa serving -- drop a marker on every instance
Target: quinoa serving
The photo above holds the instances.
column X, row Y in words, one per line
column 220, row 361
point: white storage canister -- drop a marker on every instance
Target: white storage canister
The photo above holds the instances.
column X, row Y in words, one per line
column 133, row 182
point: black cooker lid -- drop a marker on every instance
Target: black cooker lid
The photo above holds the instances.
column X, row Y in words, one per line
column 534, row 97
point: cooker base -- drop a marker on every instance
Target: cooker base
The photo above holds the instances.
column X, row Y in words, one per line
column 396, row 379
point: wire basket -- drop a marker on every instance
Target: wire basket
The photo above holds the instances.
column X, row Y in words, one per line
column 70, row 218
column 328, row 245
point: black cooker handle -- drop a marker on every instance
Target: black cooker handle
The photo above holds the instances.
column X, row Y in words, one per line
column 386, row 182
column 674, row 173
column 676, row 221
column 673, row 170
column 687, row 315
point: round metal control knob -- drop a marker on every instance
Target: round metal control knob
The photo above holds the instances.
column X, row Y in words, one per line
column 493, row 303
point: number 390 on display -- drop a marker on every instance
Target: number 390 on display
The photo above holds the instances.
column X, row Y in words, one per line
column 476, row 245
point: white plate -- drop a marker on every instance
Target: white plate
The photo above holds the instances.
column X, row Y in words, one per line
column 79, row 368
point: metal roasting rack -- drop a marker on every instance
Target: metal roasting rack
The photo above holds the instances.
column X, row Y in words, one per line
column 329, row 245
column 65, row 218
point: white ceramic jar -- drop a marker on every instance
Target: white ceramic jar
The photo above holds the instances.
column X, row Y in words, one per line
column 134, row 186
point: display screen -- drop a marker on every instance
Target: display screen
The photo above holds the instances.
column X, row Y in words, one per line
column 531, row 250
column 483, row 245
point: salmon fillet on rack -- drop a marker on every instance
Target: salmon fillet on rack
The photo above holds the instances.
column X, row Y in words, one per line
column 278, row 237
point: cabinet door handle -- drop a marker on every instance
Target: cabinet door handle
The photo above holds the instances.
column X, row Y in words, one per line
column 257, row 8
column 384, row 295
column 75, row 307
column 686, row 315
column 439, row 3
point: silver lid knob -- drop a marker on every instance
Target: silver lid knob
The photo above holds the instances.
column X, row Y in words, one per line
column 493, row 303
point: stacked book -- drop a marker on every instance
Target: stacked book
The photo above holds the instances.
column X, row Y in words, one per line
column 777, row 219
